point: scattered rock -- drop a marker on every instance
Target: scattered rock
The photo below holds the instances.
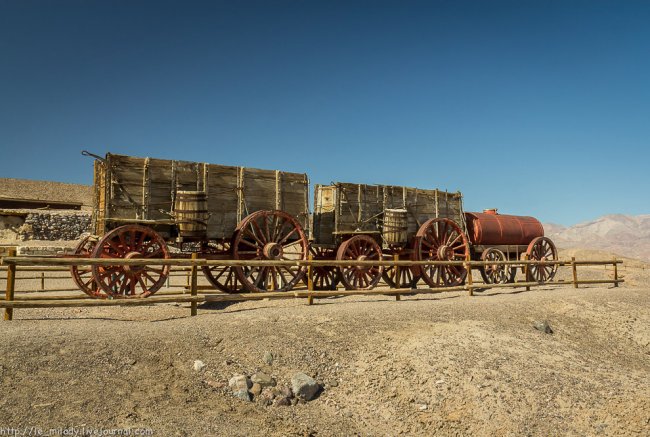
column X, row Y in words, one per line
column 244, row 395
column 268, row 358
column 215, row 384
column 423, row 407
column 267, row 396
column 304, row 386
column 240, row 382
column 286, row 392
column 263, row 379
column 198, row 365
column 282, row 401
column 256, row 389
column 543, row 326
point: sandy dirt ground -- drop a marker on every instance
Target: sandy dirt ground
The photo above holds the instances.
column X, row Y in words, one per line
column 445, row 364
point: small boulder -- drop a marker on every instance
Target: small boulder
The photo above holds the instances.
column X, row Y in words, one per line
column 256, row 389
column 543, row 326
column 240, row 382
column 268, row 358
column 263, row 379
column 198, row 365
column 239, row 385
column 304, row 386
column 267, row 396
column 244, row 395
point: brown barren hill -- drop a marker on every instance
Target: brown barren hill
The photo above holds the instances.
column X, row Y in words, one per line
column 624, row 235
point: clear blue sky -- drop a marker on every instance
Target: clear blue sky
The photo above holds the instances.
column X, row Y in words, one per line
column 535, row 107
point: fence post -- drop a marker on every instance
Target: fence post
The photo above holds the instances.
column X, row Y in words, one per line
column 194, row 283
column 470, row 283
column 526, row 267
column 398, row 282
column 615, row 273
column 575, row 272
column 11, row 285
column 310, row 280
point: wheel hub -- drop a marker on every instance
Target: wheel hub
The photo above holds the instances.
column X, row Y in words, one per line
column 445, row 252
column 272, row 251
column 362, row 269
column 133, row 270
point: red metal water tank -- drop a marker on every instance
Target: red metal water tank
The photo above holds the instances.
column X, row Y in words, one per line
column 489, row 228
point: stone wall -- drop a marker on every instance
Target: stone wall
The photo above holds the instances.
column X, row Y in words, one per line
column 46, row 225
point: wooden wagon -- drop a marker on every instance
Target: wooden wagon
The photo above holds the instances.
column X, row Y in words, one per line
column 374, row 222
column 156, row 208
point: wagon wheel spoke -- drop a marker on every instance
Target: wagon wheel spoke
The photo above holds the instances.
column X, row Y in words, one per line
column 359, row 248
column 408, row 277
column 495, row 273
column 283, row 239
column 441, row 239
column 133, row 242
column 541, row 249
column 324, row 277
column 83, row 276
column 257, row 238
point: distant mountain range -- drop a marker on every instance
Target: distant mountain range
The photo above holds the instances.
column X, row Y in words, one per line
column 621, row 234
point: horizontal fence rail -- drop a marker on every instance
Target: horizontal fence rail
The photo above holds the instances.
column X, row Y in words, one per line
column 194, row 293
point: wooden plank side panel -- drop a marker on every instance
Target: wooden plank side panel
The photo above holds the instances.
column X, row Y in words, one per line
column 188, row 176
column 359, row 207
column 421, row 206
column 160, row 189
column 222, row 188
column 125, row 190
column 393, row 197
column 259, row 190
column 293, row 198
column 99, row 202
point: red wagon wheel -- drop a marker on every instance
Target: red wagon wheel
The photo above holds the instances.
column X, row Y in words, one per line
column 360, row 248
column 408, row 276
column 222, row 277
column 441, row 239
column 324, row 277
column 496, row 273
column 130, row 242
column 541, row 249
column 83, row 276
column 270, row 235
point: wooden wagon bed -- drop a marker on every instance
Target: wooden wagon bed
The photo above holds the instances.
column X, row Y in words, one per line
column 143, row 190
column 346, row 209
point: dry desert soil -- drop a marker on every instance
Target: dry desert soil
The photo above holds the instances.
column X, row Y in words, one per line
column 445, row 364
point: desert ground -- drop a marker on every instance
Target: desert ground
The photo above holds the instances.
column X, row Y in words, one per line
column 444, row 364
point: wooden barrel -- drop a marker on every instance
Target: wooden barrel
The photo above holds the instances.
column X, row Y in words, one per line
column 395, row 226
column 191, row 214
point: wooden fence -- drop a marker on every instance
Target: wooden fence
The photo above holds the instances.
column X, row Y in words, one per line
column 195, row 294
